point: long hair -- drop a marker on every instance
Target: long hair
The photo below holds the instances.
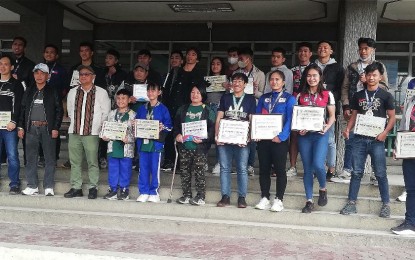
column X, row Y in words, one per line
column 222, row 62
column 306, row 86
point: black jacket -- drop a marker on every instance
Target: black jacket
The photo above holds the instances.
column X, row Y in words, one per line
column 53, row 108
column 23, row 69
column 11, row 94
column 208, row 115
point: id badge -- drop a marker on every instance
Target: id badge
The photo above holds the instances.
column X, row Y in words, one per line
column 146, row 141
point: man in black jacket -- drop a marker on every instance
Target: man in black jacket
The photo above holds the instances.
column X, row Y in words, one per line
column 22, row 70
column 11, row 93
column 40, row 119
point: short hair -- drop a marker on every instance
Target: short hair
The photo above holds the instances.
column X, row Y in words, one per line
column 201, row 86
column 20, row 38
column 53, row 46
column 114, row 53
column 246, row 51
column 279, row 72
column 177, row 52
column 240, row 75
column 123, row 91
column 325, row 41
column 375, row 66
column 305, row 44
column 233, row 49
column 153, row 86
column 196, row 50
column 144, row 52
column 7, row 56
column 90, row 45
column 369, row 41
column 279, row 50
column 222, row 62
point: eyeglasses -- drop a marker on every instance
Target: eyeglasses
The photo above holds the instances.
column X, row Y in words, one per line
column 237, row 81
column 313, row 76
column 85, row 74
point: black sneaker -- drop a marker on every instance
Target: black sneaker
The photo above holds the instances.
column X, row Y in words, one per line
column 241, row 202
column 41, row 162
column 66, row 165
column 385, row 211
column 329, row 175
column 73, row 193
column 124, row 194
column 14, row 190
column 167, row 166
column 309, row 206
column 322, row 199
column 198, row 201
column 404, row 229
column 111, row 195
column 183, row 200
column 93, row 193
column 225, row 201
column 103, row 163
column 349, row 208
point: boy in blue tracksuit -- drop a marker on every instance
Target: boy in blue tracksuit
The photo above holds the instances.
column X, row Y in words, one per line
column 150, row 150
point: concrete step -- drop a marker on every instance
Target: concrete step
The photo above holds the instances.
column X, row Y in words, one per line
column 324, row 227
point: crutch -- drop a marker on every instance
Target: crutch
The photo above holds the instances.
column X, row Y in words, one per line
column 174, row 172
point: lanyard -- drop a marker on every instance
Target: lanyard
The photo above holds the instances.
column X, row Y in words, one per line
column 370, row 101
column 17, row 66
column 276, row 101
column 237, row 105
column 118, row 116
column 50, row 72
column 312, row 99
column 149, row 115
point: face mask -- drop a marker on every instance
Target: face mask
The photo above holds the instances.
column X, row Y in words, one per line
column 242, row 64
column 232, row 60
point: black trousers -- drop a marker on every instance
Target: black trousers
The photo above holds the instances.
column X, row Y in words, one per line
column 271, row 153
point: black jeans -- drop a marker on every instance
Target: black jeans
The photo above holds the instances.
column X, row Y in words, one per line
column 270, row 153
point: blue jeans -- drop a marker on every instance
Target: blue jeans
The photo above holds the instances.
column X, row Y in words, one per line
column 348, row 153
column 362, row 147
column 227, row 153
column 408, row 168
column 252, row 153
column 331, row 153
column 313, row 149
column 10, row 142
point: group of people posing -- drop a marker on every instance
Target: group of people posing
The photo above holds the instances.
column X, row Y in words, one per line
column 94, row 95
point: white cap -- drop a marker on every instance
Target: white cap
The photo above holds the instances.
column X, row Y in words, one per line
column 42, row 67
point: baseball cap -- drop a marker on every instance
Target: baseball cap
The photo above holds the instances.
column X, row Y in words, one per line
column 141, row 65
column 42, row 67
column 80, row 67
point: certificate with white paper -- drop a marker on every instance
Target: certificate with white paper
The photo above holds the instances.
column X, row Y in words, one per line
column 233, row 132
column 370, row 126
column 196, row 129
column 5, row 118
column 147, row 129
column 308, row 118
column 405, row 145
column 266, row 127
column 409, row 94
column 113, row 130
column 216, row 83
column 140, row 92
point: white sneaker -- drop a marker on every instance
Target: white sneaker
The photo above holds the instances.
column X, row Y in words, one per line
column 143, row 198
column 216, row 170
column 402, row 197
column 49, row 192
column 277, row 206
column 292, row 172
column 263, row 204
column 251, row 170
column 154, row 198
column 344, row 177
column 30, row 192
column 373, row 180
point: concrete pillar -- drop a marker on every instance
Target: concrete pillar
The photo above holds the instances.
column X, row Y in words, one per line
column 356, row 19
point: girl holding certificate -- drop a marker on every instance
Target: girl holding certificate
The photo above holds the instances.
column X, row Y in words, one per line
column 313, row 145
column 274, row 152
column 194, row 143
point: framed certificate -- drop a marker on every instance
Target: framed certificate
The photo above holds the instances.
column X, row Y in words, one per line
column 196, row 129
column 370, row 126
column 409, row 94
column 266, row 127
column 233, row 132
column 113, row 130
column 405, row 145
column 147, row 129
column 216, row 83
column 308, row 118
column 140, row 92
column 5, row 118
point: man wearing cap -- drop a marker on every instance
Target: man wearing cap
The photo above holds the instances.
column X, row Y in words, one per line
column 11, row 93
column 40, row 120
column 88, row 107
column 138, row 76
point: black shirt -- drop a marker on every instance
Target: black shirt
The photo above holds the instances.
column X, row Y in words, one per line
column 382, row 101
